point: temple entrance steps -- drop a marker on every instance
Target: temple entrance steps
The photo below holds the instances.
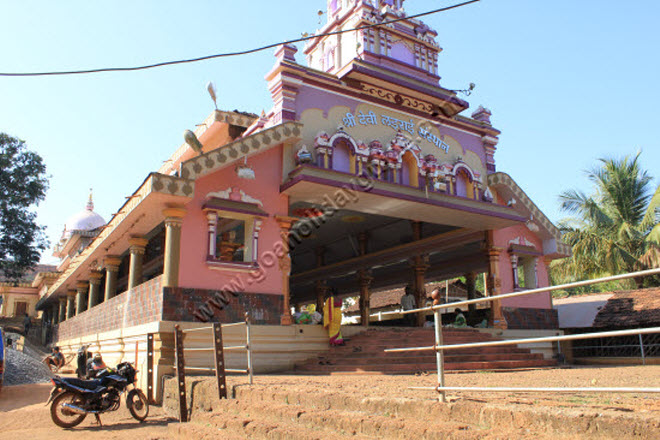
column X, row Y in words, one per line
column 364, row 353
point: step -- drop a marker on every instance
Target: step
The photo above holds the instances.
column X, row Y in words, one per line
column 429, row 358
column 271, row 418
column 367, row 351
column 431, row 366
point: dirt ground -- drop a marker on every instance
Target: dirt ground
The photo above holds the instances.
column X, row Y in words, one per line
column 23, row 414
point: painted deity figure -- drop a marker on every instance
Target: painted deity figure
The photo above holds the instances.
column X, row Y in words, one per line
column 332, row 320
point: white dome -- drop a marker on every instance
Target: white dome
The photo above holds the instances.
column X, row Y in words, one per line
column 85, row 220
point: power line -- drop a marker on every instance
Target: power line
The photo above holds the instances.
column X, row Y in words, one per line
column 233, row 54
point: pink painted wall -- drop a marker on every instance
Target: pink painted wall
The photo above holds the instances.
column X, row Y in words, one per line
column 502, row 238
column 194, row 271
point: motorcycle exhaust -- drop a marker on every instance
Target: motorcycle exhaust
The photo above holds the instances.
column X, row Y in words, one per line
column 77, row 409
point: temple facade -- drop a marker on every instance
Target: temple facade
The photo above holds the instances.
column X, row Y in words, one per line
column 365, row 174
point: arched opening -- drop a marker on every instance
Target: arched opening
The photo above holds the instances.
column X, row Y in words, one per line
column 464, row 184
column 409, row 170
column 342, row 158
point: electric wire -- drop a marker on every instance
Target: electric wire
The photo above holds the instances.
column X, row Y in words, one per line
column 233, row 54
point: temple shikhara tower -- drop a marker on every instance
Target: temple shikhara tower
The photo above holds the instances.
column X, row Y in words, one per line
column 365, row 175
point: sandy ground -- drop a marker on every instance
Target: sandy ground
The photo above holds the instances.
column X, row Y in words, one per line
column 24, row 416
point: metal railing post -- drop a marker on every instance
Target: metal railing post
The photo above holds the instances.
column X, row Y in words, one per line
column 219, row 356
column 150, row 368
column 180, row 373
column 248, row 344
column 439, row 355
column 641, row 347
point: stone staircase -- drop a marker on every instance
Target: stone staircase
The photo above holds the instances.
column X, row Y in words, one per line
column 364, row 353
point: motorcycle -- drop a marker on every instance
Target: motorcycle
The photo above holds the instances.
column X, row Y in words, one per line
column 72, row 399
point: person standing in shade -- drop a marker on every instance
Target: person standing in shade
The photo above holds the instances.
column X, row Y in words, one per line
column 332, row 319
column 27, row 323
column 408, row 303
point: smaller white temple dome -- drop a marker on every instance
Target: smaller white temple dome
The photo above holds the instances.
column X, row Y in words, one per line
column 85, row 220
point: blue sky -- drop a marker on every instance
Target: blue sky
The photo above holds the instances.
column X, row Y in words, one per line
column 567, row 82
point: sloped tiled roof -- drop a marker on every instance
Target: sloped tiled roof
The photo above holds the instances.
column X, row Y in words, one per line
column 631, row 308
column 28, row 277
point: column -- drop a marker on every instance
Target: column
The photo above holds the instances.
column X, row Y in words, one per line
column 70, row 304
column 285, row 224
column 471, row 282
column 55, row 313
column 212, row 219
column 62, row 313
column 136, row 249
column 419, row 265
column 111, row 266
column 364, row 279
column 494, row 282
column 94, row 294
column 82, row 287
column 321, row 286
column 173, row 222
column 514, row 267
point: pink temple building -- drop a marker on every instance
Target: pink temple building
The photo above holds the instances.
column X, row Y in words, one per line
column 365, row 174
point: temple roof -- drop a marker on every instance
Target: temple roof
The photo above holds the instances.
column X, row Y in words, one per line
column 83, row 221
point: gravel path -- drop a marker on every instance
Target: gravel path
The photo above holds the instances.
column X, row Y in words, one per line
column 24, row 368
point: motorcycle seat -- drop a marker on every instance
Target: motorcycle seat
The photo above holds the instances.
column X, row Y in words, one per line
column 91, row 385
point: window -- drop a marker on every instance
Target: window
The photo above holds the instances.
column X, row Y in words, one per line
column 233, row 234
column 230, row 240
column 524, row 271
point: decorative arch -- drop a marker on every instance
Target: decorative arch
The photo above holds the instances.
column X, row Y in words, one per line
column 410, row 168
column 463, row 166
column 344, row 159
column 342, row 135
column 463, row 186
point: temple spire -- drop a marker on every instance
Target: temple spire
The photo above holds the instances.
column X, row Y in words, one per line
column 90, row 202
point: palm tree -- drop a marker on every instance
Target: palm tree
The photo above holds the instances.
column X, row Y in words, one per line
column 615, row 230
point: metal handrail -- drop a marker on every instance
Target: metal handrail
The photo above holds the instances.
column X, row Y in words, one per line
column 439, row 346
column 644, row 331
column 548, row 389
column 525, row 292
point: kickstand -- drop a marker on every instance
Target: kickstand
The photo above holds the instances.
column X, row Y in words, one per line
column 98, row 420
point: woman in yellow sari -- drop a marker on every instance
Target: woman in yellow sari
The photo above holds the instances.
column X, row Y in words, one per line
column 332, row 320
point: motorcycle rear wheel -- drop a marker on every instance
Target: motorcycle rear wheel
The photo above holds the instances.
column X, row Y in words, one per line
column 64, row 417
column 137, row 404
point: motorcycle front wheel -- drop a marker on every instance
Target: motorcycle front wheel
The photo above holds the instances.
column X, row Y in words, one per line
column 137, row 404
column 63, row 416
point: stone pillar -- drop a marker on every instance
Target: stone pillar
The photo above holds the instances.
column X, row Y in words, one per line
column 55, row 313
column 321, row 286
column 365, row 279
column 471, row 282
column 111, row 266
column 285, row 224
column 94, row 294
column 62, row 314
column 173, row 222
column 494, row 282
column 419, row 265
column 81, row 296
column 137, row 246
column 70, row 304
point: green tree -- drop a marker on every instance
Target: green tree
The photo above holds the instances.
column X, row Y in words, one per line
column 23, row 184
column 615, row 230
